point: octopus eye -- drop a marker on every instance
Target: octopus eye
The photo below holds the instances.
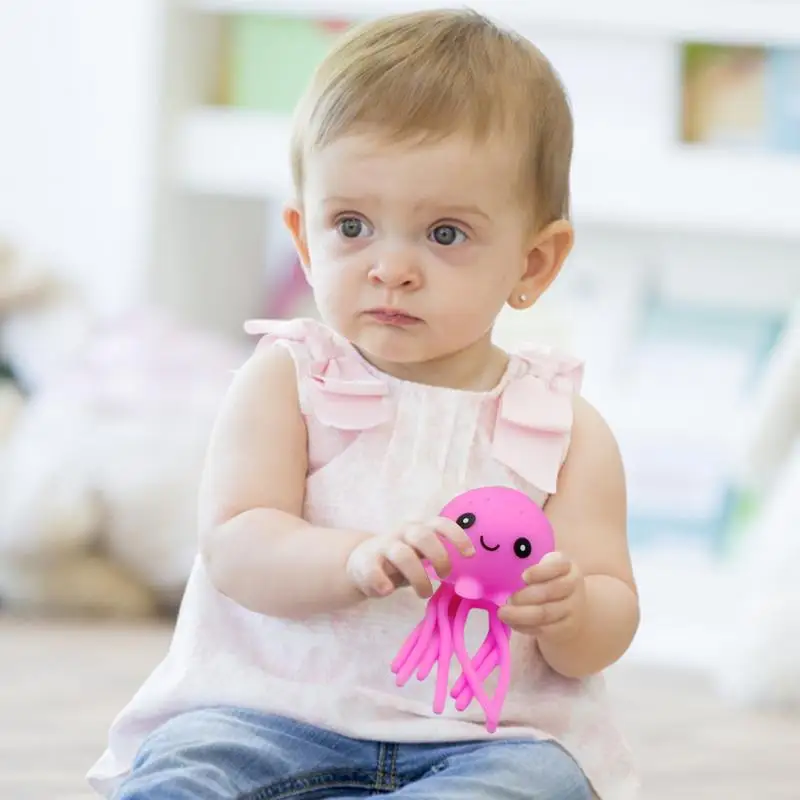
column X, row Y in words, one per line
column 466, row 521
column 522, row 548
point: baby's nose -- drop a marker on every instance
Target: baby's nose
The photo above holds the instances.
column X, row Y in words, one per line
column 397, row 268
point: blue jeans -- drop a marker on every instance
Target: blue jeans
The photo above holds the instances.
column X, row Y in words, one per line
column 229, row 753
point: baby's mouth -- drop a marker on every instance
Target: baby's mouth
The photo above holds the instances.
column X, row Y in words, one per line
column 486, row 546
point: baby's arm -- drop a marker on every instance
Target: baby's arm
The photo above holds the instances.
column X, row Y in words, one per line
column 256, row 547
column 583, row 609
column 589, row 516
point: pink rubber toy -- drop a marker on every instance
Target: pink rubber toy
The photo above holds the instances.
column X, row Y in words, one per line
column 510, row 533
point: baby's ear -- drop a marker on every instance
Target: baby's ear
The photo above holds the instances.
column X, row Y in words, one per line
column 295, row 223
column 546, row 254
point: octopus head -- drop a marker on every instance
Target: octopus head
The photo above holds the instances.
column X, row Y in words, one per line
column 510, row 534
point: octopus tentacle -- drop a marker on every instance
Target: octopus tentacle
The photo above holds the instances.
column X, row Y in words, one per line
column 483, row 670
column 445, row 650
column 491, row 706
column 463, row 656
column 484, row 651
column 408, row 646
column 501, row 635
column 430, row 656
column 443, row 621
column 439, row 635
column 423, row 638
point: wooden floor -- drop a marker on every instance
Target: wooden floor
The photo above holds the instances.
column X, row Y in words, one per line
column 60, row 685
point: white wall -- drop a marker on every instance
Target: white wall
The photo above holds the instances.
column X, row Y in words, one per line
column 86, row 153
column 77, row 108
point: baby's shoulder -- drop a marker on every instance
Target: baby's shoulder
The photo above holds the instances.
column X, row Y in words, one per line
column 335, row 385
column 593, row 450
column 562, row 374
column 535, row 416
column 299, row 335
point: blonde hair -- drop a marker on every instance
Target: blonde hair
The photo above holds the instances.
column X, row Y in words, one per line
column 435, row 73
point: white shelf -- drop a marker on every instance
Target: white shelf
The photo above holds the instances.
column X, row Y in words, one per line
column 235, row 152
column 246, row 154
column 692, row 189
column 735, row 21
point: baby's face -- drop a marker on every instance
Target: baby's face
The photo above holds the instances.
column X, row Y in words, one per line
column 414, row 247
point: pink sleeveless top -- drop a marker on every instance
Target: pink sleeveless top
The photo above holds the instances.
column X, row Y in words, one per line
column 383, row 451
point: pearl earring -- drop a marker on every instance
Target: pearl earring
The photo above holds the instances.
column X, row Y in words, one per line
column 523, row 298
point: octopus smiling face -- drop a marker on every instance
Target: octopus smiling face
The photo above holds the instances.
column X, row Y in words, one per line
column 510, row 533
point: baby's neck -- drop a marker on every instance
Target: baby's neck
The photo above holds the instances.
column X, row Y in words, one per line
column 477, row 368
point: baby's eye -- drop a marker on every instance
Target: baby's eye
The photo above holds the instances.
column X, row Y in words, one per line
column 448, row 235
column 522, row 548
column 352, row 227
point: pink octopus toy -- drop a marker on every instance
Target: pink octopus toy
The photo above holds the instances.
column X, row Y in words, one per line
column 510, row 533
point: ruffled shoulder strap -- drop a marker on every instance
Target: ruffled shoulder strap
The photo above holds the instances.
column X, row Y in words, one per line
column 534, row 420
column 334, row 383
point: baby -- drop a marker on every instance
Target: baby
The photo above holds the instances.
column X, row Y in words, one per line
column 431, row 158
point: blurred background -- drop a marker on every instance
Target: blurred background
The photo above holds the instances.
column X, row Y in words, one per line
column 143, row 165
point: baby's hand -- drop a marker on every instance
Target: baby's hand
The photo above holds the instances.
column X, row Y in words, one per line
column 553, row 605
column 382, row 564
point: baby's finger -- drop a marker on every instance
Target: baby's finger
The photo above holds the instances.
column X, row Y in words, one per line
column 425, row 541
column 455, row 534
column 547, row 592
column 374, row 581
column 552, row 566
column 397, row 578
column 407, row 562
column 532, row 617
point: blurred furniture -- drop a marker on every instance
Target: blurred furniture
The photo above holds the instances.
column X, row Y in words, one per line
column 131, row 173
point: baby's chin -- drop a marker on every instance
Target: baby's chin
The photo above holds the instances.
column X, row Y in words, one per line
column 409, row 366
column 408, row 352
column 395, row 361
column 396, row 345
